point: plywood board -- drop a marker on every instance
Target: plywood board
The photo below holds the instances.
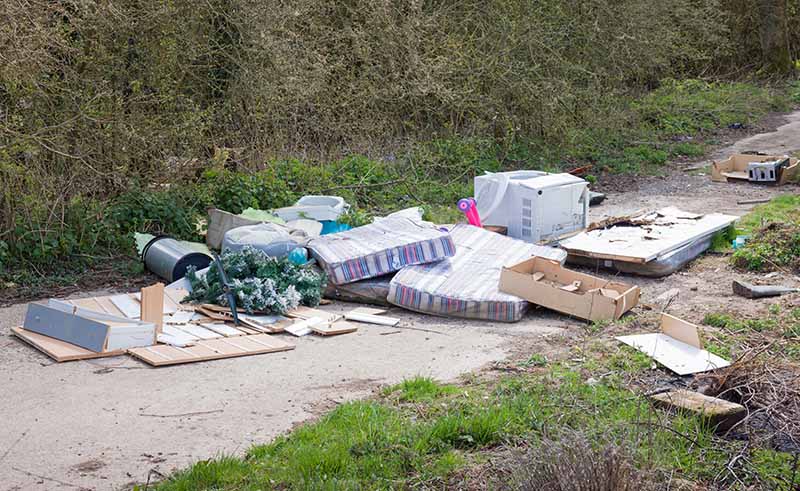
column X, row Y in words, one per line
column 59, row 350
column 334, row 328
column 681, row 358
column 670, row 229
column 152, row 305
column 213, row 349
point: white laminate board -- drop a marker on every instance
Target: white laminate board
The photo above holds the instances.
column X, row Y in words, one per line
column 681, row 358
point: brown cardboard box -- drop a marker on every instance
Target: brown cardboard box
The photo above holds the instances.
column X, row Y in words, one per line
column 734, row 168
column 594, row 299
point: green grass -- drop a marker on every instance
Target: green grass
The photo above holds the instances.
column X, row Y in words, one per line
column 419, row 389
column 689, row 107
column 784, row 208
column 388, row 444
column 773, row 231
column 535, row 360
column 737, row 324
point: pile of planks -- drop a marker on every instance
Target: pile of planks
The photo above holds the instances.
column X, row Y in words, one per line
column 189, row 333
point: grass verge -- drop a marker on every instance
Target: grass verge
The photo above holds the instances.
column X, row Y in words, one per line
column 420, row 434
column 774, row 236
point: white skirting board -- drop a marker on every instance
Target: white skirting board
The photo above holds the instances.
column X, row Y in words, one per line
column 371, row 319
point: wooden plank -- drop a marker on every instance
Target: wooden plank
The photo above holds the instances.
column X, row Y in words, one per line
column 670, row 229
column 247, row 329
column 334, row 328
column 58, row 350
column 214, row 349
column 369, row 311
column 719, row 412
column 152, row 307
column 213, row 315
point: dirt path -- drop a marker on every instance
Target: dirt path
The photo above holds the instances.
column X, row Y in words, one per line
column 105, row 424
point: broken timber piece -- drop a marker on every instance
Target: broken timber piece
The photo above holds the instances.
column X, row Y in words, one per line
column 720, row 413
column 760, row 291
column 309, row 313
column 752, row 201
column 334, row 328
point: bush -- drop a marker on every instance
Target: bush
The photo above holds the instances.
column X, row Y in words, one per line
column 573, row 462
column 115, row 118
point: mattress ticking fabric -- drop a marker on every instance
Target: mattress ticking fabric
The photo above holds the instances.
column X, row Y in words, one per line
column 379, row 248
column 466, row 285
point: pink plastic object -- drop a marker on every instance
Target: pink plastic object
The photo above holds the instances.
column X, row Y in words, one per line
column 470, row 209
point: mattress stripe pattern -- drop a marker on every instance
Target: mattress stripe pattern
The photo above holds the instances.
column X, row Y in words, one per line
column 466, row 285
column 379, row 248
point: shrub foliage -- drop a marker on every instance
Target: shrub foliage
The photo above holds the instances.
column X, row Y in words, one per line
column 100, row 100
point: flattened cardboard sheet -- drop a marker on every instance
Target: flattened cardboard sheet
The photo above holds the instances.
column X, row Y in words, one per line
column 677, row 355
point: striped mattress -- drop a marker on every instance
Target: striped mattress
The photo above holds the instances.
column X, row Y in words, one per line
column 379, row 248
column 466, row 285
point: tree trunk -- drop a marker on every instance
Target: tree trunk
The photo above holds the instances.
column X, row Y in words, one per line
column 774, row 36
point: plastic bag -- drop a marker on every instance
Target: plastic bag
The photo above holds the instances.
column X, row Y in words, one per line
column 271, row 238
